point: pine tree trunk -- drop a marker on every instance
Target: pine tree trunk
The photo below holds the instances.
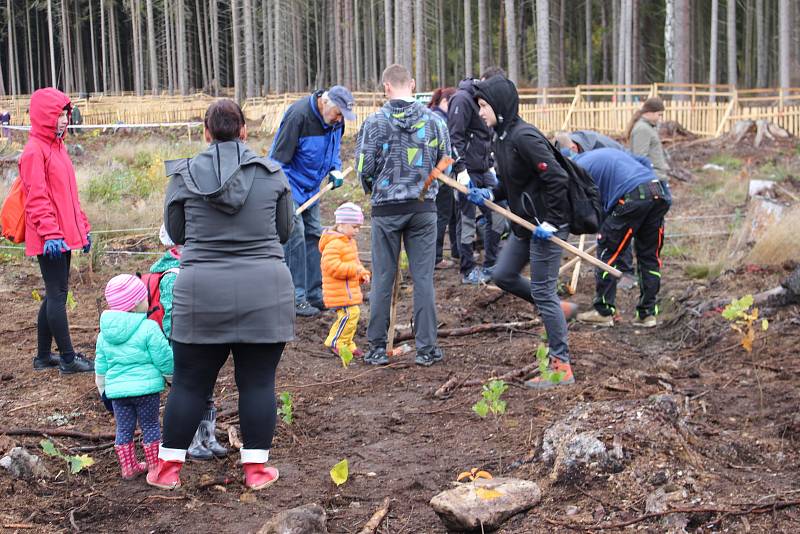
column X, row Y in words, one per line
column 682, row 43
column 278, row 48
column 29, row 39
column 483, row 36
column 201, row 41
column 103, row 45
column 543, row 43
column 170, row 56
column 12, row 83
column 375, row 46
column 784, row 39
column 237, row 77
column 440, row 52
column 249, row 59
column 265, row 40
column 65, row 49
column 388, row 31
column 562, row 60
column 588, row 34
column 422, row 45
column 137, row 82
column 357, row 37
column 628, row 44
column 406, row 31
column 215, row 37
column 731, row 35
column 761, row 46
column 398, row 39
column 95, row 79
column 616, row 17
column 621, row 48
column 713, row 47
column 511, row 41
column 180, row 41
column 606, row 42
column 468, row 63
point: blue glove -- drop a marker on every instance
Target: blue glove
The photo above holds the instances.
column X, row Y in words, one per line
column 88, row 245
column 53, row 248
column 336, row 178
column 477, row 195
column 544, row 231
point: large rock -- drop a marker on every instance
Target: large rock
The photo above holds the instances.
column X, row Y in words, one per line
column 485, row 504
column 580, row 455
column 306, row 519
column 22, row 464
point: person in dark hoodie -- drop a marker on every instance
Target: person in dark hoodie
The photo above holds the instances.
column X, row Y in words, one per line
column 535, row 186
column 55, row 225
column 447, row 220
column 231, row 210
column 396, row 149
column 472, row 144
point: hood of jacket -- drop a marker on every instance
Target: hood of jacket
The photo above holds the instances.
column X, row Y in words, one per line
column 118, row 327
column 329, row 235
column 403, row 115
column 170, row 260
column 222, row 174
column 501, row 94
column 46, row 106
column 468, row 85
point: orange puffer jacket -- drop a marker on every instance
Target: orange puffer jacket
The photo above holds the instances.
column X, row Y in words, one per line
column 342, row 272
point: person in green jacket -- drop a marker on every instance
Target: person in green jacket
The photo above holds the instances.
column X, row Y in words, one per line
column 204, row 445
column 132, row 359
column 642, row 134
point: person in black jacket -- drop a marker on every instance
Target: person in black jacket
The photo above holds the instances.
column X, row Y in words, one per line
column 536, row 186
column 471, row 140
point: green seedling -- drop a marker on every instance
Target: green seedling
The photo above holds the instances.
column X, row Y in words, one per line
column 286, row 409
column 542, row 357
column 76, row 462
column 403, row 260
column 491, row 401
column 340, row 472
column 71, row 302
column 346, row 355
column 742, row 317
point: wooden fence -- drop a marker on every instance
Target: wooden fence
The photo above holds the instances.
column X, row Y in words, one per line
column 702, row 109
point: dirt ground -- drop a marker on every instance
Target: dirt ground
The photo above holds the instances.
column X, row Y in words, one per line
column 729, row 441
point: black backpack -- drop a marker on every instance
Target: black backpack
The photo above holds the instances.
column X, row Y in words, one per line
column 586, row 207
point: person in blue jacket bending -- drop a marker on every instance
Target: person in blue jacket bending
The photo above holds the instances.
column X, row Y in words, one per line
column 307, row 147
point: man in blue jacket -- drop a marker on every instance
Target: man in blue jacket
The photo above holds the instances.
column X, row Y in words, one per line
column 635, row 202
column 307, row 147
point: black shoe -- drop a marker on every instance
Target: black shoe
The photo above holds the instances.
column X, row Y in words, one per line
column 46, row 362
column 318, row 304
column 429, row 358
column 304, row 309
column 376, row 356
column 79, row 365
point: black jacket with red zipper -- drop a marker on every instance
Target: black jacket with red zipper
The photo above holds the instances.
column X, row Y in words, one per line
column 531, row 179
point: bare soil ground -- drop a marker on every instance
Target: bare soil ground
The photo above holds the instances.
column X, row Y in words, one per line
column 709, row 427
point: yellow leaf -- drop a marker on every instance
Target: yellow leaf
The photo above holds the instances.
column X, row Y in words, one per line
column 764, row 324
column 488, row 494
column 483, row 474
column 36, row 296
column 462, row 476
column 747, row 341
column 339, row 472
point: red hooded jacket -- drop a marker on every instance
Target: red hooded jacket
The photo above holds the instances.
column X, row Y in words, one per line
column 52, row 208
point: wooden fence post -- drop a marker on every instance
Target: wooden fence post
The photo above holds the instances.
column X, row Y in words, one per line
column 575, row 100
column 728, row 111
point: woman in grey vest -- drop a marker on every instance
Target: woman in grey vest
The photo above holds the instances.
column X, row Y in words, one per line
column 231, row 210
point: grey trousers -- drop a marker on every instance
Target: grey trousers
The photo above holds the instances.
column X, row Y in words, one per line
column 418, row 234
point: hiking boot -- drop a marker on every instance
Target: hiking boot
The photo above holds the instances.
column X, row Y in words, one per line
column 627, row 282
column 564, row 378
column 79, row 365
column 318, row 304
column 151, row 455
column 376, row 356
column 46, row 362
column 166, row 474
column 209, row 428
column 595, row 318
column 570, row 310
column 475, row 277
column 444, row 263
column 430, row 357
column 129, row 465
column 259, row 476
column 197, row 449
column 305, row 309
column 647, row 322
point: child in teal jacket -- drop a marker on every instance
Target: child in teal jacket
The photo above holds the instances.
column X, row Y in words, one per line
column 132, row 358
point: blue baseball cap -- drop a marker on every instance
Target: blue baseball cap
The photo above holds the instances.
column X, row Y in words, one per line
column 343, row 99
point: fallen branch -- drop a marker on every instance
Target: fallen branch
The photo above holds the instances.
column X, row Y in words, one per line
column 469, row 330
column 514, row 374
column 57, row 432
column 377, row 518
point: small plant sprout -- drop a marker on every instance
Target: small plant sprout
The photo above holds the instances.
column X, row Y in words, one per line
column 340, row 472
column 491, row 401
column 346, row 355
column 542, row 357
column 286, row 409
column 742, row 317
column 473, row 474
column 76, row 462
column 71, row 302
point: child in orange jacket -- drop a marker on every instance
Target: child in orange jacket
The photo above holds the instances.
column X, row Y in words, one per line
column 342, row 274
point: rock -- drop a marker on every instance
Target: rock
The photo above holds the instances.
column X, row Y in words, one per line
column 667, row 405
column 656, row 502
column 713, row 167
column 484, row 504
column 22, row 464
column 665, row 363
column 571, row 510
column 579, row 457
column 306, row 519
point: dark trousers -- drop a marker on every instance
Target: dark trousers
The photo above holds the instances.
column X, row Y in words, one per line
column 196, row 369
column 128, row 410
column 446, row 217
column 491, row 236
column 52, row 321
column 642, row 220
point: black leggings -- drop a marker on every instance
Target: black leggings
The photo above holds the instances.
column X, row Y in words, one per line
column 52, row 321
column 196, row 369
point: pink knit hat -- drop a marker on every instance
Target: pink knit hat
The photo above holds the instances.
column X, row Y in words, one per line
column 348, row 213
column 124, row 292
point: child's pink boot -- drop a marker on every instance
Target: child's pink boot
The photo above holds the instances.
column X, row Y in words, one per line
column 256, row 473
column 166, row 474
column 151, row 455
column 130, row 467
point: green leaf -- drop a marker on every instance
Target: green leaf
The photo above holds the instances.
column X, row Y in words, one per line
column 481, row 408
column 50, row 449
column 346, row 356
column 499, row 407
column 403, row 260
column 71, row 302
column 286, row 409
column 340, row 472
column 764, row 324
column 78, row 463
column 556, row 376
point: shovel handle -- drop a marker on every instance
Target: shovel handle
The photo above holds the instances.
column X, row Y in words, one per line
column 321, row 192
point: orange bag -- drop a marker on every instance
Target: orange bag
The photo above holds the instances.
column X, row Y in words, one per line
column 12, row 214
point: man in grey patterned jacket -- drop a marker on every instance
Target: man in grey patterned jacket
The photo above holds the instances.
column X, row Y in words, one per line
column 396, row 150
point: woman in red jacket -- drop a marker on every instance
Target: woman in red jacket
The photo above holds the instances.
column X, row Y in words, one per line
column 55, row 224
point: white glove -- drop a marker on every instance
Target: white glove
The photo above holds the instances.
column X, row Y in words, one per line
column 100, row 382
column 463, row 178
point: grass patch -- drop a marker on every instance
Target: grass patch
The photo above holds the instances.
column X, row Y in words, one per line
column 779, row 243
column 702, row 270
column 674, row 251
column 721, row 189
column 730, row 163
column 775, row 171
